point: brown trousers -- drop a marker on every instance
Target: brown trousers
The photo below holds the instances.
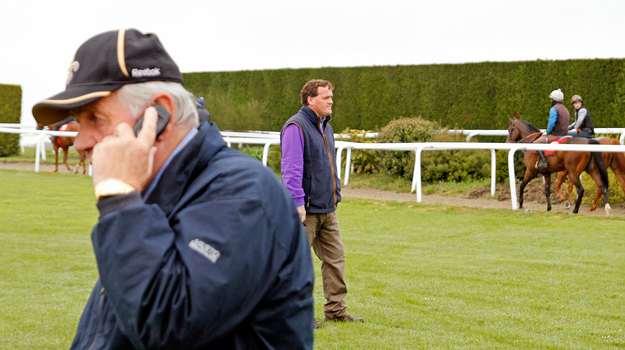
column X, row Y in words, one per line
column 325, row 238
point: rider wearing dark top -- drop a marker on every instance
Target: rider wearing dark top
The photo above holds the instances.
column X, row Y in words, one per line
column 583, row 126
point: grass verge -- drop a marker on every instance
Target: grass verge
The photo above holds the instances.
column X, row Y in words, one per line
column 422, row 276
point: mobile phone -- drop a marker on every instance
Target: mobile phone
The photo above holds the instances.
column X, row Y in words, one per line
column 163, row 119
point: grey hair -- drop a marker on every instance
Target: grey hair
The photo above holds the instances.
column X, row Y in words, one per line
column 137, row 97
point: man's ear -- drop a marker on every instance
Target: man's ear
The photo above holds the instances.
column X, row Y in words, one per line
column 167, row 102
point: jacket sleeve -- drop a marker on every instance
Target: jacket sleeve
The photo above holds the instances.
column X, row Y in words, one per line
column 177, row 282
column 553, row 117
column 581, row 115
column 292, row 161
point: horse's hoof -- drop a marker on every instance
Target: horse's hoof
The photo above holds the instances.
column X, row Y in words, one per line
column 567, row 205
column 608, row 210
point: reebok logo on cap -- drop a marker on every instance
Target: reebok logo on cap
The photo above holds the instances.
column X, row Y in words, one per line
column 102, row 64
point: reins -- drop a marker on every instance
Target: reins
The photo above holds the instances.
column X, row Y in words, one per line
column 538, row 134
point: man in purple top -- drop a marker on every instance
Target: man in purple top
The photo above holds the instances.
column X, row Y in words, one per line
column 309, row 173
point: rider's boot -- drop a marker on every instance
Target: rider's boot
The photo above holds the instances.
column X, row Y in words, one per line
column 542, row 163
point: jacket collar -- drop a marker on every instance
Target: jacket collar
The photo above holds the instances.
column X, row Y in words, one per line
column 186, row 167
column 313, row 117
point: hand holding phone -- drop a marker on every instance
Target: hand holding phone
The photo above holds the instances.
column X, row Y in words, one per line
column 163, row 119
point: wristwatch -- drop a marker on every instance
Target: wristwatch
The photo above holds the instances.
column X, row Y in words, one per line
column 112, row 187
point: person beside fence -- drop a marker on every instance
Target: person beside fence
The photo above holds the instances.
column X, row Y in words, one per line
column 309, row 173
column 202, row 112
column 198, row 246
column 582, row 126
column 557, row 126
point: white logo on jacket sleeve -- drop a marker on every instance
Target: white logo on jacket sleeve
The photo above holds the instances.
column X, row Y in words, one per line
column 205, row 249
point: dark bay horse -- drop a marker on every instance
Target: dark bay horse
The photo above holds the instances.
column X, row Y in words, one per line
column 64, row 142
column 615, row 161
column 573, row 162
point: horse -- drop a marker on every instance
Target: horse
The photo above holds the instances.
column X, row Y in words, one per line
column 573, row 162
column 615, row 161
column 64, row 142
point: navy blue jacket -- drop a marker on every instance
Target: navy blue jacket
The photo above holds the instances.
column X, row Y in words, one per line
column 216, row 258
column 322, row 186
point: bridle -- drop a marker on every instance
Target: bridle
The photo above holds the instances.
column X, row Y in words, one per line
column 535, row 135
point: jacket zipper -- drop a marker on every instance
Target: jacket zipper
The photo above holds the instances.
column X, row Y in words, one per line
column 98, row 321
column 325, row 140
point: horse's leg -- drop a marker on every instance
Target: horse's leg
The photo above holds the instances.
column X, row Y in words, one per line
column 530, row 173
column 574, row 178
column 82, row 160
column 561, row 176
column 65, row 150
column 608, row 157
column 547, row 178
column 618, row 167
column 56, row 157
column 570, row 193
column 597, row 198
column 602, row 189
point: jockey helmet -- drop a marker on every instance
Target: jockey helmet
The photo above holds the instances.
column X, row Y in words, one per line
column 576, row 98
column 556, row 95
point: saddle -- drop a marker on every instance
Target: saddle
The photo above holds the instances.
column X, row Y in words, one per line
column 63, row 127
column 552, row 152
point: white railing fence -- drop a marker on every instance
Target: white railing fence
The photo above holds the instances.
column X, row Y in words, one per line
column 267, row 139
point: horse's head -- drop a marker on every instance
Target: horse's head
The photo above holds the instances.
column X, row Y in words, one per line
column 521, row 130
column 514, row 133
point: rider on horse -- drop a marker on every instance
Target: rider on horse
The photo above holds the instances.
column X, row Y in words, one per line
column 58, row 125
column 557, row 126
column 582, row 127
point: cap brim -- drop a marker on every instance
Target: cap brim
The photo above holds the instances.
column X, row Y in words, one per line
column 58, row 107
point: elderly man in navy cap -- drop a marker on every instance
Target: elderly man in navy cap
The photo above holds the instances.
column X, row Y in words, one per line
column 198, row 246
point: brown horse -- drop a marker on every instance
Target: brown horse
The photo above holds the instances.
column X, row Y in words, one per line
column 573, row 162
column 615, row 161
column 64, row 142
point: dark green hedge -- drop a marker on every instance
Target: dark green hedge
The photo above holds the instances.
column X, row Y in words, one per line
column 469, row 96
column 10, row 111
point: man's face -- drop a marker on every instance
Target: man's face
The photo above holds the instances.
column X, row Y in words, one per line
column 577, row 104
column 322, row 103
column 98, row 120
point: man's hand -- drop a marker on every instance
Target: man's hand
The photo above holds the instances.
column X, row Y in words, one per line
column 125, row 157
column 302, row 213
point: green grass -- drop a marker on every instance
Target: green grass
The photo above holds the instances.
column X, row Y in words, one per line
column 423, row 276
column 47, row 261
column 440, row 277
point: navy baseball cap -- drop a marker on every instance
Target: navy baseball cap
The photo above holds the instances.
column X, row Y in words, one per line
column 105, row 63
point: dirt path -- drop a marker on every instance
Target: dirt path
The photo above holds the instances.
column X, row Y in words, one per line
column 534, row 197
column 481, row 199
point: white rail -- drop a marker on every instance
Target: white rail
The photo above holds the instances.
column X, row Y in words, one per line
column 440, row 146
column 273, row 138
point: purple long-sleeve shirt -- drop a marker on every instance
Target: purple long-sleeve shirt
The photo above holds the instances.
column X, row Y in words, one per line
column 293, row 162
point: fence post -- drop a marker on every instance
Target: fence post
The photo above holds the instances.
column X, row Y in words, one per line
column 416, row 178
column 513, row 197
column 493, row 172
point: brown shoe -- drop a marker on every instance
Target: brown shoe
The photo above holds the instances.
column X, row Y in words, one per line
column 317, row 324
column 345, row 318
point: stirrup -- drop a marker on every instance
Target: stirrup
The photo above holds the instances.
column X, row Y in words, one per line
column 541, row 165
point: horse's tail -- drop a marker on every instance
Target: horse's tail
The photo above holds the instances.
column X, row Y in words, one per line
column 603, row 171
